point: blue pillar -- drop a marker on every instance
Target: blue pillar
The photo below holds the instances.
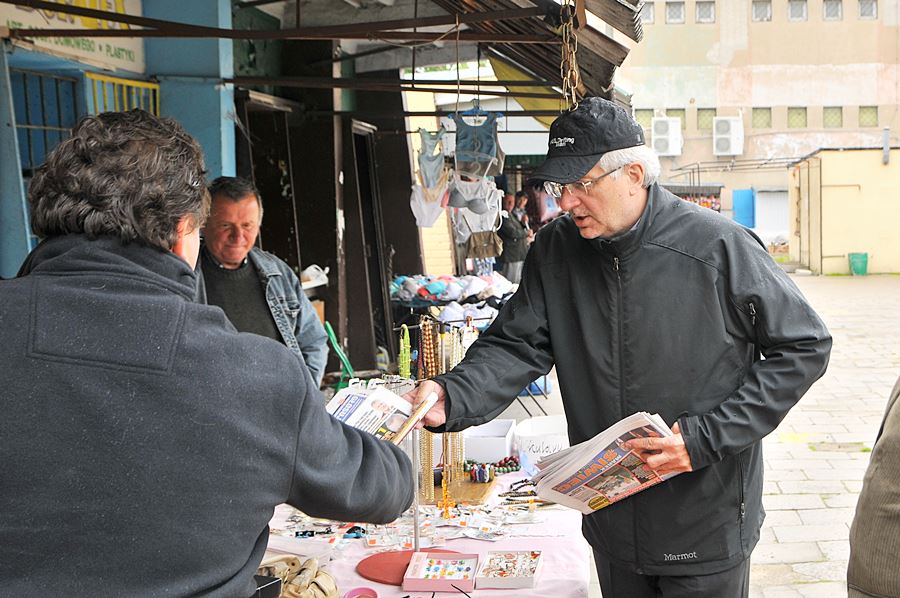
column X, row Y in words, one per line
column 14, row 229
column 190, row 73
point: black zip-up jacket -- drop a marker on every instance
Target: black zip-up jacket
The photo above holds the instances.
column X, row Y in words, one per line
column 663, row 318
column 145, row 443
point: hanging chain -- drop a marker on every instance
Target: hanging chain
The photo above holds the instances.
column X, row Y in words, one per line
column 568, row 66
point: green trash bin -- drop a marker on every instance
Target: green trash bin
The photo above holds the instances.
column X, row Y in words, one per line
column 859, row 263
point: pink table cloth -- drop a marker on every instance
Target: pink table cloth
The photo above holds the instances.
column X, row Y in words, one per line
column 565, row 572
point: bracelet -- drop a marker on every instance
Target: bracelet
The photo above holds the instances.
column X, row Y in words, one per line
column 521, row 484
column 518, row 494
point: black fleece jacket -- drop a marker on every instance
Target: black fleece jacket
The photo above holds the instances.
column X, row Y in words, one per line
column 663, row 319
column 146, row 443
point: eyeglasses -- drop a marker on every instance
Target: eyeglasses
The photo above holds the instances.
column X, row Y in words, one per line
column 555, row 190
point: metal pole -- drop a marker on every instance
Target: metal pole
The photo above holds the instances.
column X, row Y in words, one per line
column 417, row 471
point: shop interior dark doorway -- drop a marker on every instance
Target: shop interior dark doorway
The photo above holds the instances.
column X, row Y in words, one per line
column 263, row 148
column 368, row 265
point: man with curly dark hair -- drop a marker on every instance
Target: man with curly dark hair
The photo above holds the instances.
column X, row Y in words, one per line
column 131, row 461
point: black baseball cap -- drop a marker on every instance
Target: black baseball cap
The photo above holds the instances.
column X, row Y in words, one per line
column 579, row 137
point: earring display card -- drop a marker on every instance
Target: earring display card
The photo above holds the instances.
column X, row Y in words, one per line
column 440, row 572
column 509, row 569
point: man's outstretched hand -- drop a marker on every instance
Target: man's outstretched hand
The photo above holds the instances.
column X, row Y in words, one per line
column 436, row 416
column 663, row 455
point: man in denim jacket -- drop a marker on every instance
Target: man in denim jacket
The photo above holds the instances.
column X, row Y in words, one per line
column 258, row 292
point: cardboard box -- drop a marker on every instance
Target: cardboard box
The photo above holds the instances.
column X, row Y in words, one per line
column 319, row 306
column 440, row 571
column 509, row 569
column 490, row 442
column 538, row 437
column 487, row 443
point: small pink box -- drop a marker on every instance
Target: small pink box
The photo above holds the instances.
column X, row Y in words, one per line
column 440, row 571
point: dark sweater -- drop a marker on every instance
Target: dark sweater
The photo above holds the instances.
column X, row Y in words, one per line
column 146, row 443
column 241, row 295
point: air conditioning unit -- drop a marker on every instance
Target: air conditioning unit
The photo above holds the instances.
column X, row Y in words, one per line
column 665, row 135
column 728, row 136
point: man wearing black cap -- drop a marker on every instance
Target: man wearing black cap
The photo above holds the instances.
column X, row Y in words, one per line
column 644, row 302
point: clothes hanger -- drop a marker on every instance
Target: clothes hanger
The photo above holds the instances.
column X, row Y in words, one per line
column 476, row 109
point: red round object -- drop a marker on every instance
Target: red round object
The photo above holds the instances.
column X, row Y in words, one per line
column 389, row 567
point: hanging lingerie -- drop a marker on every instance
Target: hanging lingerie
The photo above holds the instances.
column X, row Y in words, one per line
column 465, row 221
column 431, row 157
column 477, row 195
column 478, row 152
column 426, row 210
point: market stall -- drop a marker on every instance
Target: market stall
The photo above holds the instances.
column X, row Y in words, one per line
column 554, row 531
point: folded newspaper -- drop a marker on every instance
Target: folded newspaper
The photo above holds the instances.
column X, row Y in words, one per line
column 378, row 411
column 598, row 472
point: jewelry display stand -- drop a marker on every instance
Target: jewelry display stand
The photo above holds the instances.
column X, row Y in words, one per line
column 441, row 347
column 389, row 567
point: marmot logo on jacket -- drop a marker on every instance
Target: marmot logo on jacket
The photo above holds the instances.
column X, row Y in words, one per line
column 680, row 557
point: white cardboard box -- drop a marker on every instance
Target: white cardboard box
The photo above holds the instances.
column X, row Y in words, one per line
column 487, row 443
column 490, row 442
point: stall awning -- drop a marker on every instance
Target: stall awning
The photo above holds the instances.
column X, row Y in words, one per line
column 598, row 55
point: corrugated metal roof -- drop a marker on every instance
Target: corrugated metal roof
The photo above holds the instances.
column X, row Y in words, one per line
column 598, row 55
column 623, row 15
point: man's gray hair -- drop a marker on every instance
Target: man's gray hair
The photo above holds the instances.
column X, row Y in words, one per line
column 641, row 154
column 129, row 175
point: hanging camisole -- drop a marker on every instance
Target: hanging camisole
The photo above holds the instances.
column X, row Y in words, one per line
column 478, row 153
column 431, row 157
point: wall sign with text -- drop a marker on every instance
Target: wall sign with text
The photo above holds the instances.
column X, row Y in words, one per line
column 119, row 53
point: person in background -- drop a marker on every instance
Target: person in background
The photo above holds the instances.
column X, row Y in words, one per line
column 257, row 291
column 521, row 203
column 874, row 567
column 145, row 442
column 515, row 241
column 521, row 212
column 644, row 302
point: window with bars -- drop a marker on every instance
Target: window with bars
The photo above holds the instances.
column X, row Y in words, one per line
column 868, row 116
column 647, row 13
column 677, row 113
column 644, row 117
column 796, row 117
column 115, row 94
column 674, row 12
column 705, row 12
column 797, row 10
column 705, row 118
column 833, row 10
column 761, row 118
column 46, row 109
column 833, row 117
column 761, row 10
column 868, row 9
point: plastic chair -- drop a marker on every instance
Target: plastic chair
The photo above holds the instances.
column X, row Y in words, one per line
column 346, row 367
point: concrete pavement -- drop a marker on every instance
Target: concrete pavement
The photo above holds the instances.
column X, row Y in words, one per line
column 816, row 458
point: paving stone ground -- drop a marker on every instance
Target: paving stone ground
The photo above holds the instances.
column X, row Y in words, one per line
column 815, row 460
